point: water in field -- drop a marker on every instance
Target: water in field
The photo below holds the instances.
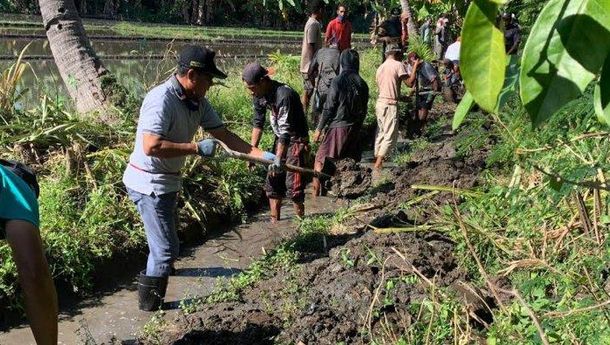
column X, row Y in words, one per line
column 138, row 63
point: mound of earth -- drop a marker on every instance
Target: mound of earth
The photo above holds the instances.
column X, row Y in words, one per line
column 367, row 284
column 351, row 180
column 330, row 299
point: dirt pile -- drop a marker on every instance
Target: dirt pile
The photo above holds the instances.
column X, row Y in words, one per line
column 351, row 180
column 358, row 288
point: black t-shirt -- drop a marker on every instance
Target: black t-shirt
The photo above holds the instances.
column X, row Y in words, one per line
column 512, row 36
column 426, row 73
column 287, row 116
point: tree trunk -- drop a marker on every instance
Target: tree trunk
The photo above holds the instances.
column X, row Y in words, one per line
column 200, row 13
column 78, row 65
column 411, row 26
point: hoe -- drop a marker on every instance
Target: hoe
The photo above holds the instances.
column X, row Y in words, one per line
column 328, row 169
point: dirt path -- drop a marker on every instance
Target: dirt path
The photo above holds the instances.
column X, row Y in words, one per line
column 115, row 314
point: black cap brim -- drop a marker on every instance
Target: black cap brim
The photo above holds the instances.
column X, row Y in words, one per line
column 216, row 73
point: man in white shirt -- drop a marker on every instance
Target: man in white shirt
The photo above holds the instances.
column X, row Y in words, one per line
column 453, row 51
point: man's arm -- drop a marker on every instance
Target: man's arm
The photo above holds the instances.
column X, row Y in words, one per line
column 329, row 33
column 35, row 279
column 312, row 72
column 413, row 75
column 280, row 151
column 310, row 51
column 235, row 143
column 330, row 110
column 156, row 146
column 258, row 122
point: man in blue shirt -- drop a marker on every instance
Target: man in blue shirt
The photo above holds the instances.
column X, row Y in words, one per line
column 170, row 116
column 19, row 223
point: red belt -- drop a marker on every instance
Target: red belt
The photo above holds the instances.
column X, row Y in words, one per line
column 156, row 173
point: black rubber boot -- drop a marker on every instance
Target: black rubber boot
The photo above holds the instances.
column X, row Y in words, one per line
column 151, row 291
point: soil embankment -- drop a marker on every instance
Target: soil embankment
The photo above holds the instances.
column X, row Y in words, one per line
column 371, row 279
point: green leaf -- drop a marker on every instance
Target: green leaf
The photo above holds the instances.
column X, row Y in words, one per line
column 601, row 95
column 462, row 110
column 482, row 54
column 566, row 47
column 510, row 83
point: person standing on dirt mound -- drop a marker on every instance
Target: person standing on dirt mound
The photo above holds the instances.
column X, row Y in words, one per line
column 19, row 225
column 323, row 69
column 312, row 42
column 170, row 116
column 389, row 77
column 291, row 132
column 339, row 30
column 424, row 77
column 343, row 115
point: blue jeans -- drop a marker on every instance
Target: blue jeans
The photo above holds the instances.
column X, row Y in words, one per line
column 158, row 214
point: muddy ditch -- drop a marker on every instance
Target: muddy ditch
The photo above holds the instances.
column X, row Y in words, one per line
column 364, row 285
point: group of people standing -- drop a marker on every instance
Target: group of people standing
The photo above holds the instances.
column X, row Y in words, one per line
column 172, row 113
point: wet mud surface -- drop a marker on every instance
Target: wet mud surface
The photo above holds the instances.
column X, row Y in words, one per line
column 366, row 284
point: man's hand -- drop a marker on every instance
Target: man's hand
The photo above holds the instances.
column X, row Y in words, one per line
column 206, row 148
column 277, row 167
column 268, row 156
column 316, row 136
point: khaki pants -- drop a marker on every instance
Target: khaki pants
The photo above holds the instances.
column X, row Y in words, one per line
column 387, row 127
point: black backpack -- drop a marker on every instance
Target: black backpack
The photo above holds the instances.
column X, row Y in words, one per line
column 24, row 172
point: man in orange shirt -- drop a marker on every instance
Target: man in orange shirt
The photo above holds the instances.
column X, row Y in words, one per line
column 339, row 30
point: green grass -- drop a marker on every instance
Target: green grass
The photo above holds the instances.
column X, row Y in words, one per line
column 153, row 30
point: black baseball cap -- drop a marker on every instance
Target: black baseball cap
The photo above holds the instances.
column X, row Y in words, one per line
column 254, row 72
column 201, row 59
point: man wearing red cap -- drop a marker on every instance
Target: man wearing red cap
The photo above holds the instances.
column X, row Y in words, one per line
column 289, row 125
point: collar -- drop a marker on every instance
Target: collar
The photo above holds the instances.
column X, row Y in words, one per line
column 177, row 87
column 272, row 95
column 181, row 94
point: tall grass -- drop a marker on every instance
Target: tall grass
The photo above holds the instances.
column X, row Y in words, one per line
column 9, row 86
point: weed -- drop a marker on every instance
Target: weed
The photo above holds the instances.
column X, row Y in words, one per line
column 153, row 329
column 344, row 255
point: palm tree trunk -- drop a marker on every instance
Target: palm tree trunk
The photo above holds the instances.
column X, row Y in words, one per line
column 78, row 65
column 412, row 25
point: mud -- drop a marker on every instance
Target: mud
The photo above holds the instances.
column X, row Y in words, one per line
column 362, row 286
column 351, row 180
column 330, row 299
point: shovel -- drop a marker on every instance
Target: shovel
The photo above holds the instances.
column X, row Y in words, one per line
column 328, row 169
